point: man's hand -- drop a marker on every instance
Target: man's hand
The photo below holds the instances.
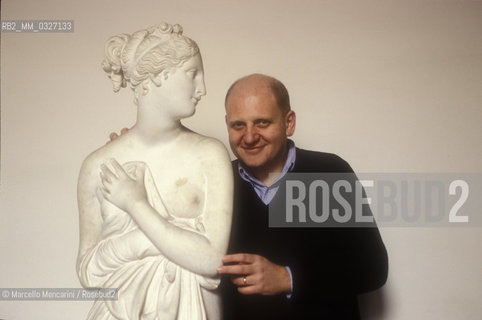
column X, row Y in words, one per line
column 254, row 274
column 114, row 135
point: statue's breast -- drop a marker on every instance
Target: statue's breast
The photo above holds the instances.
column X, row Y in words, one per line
column 184, row 198
column 180, row 189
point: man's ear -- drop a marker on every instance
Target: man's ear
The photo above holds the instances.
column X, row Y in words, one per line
column 290, row 123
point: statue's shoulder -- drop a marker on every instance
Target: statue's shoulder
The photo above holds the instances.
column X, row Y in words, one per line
column 207, row 148
column 212, row 144
column 204, row 143
column 91, row 164
column 215, row 147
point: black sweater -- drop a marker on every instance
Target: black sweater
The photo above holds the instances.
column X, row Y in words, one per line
column 330, row 266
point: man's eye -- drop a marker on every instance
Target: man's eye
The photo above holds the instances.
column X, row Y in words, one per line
column 263, row 123
column 237, row 125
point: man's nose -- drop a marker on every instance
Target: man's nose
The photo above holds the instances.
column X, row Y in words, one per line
column 251, row 136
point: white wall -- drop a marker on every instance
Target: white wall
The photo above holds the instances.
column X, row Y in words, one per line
column 391, row 86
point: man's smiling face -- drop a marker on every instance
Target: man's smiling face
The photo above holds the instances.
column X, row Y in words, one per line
column 257, row 127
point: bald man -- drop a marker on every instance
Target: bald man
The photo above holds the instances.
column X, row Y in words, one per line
column 287, row 273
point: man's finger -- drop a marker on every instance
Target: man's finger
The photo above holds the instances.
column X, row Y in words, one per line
column 113, row 136
column 235, row 269
column 244, row 281
column 239, row 258
column 250, row 289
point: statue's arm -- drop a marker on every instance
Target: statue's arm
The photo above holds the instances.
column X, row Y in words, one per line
column 90, row 219
column 198, row 252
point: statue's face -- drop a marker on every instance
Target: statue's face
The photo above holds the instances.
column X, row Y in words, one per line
column 181, row 91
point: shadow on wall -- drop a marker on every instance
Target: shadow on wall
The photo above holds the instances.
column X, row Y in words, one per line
column 373, row 305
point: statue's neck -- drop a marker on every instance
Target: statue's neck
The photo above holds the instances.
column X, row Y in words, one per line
column 154, row 127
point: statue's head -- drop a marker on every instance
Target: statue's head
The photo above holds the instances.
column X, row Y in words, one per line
column 140, row 58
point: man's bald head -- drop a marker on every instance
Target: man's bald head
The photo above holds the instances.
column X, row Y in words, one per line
column 258, row 84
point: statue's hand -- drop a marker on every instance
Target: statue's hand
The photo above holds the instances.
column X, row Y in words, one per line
column 120, row 189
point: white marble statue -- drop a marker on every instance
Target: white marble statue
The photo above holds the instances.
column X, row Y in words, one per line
column 155, row 204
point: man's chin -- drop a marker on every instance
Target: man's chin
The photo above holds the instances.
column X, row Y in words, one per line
column 251, row 162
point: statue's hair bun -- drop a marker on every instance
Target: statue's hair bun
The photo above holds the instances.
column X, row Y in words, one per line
column 112, row 63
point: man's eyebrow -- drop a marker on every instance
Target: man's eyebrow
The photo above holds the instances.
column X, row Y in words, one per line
column 262, row 119
column 236, row 122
